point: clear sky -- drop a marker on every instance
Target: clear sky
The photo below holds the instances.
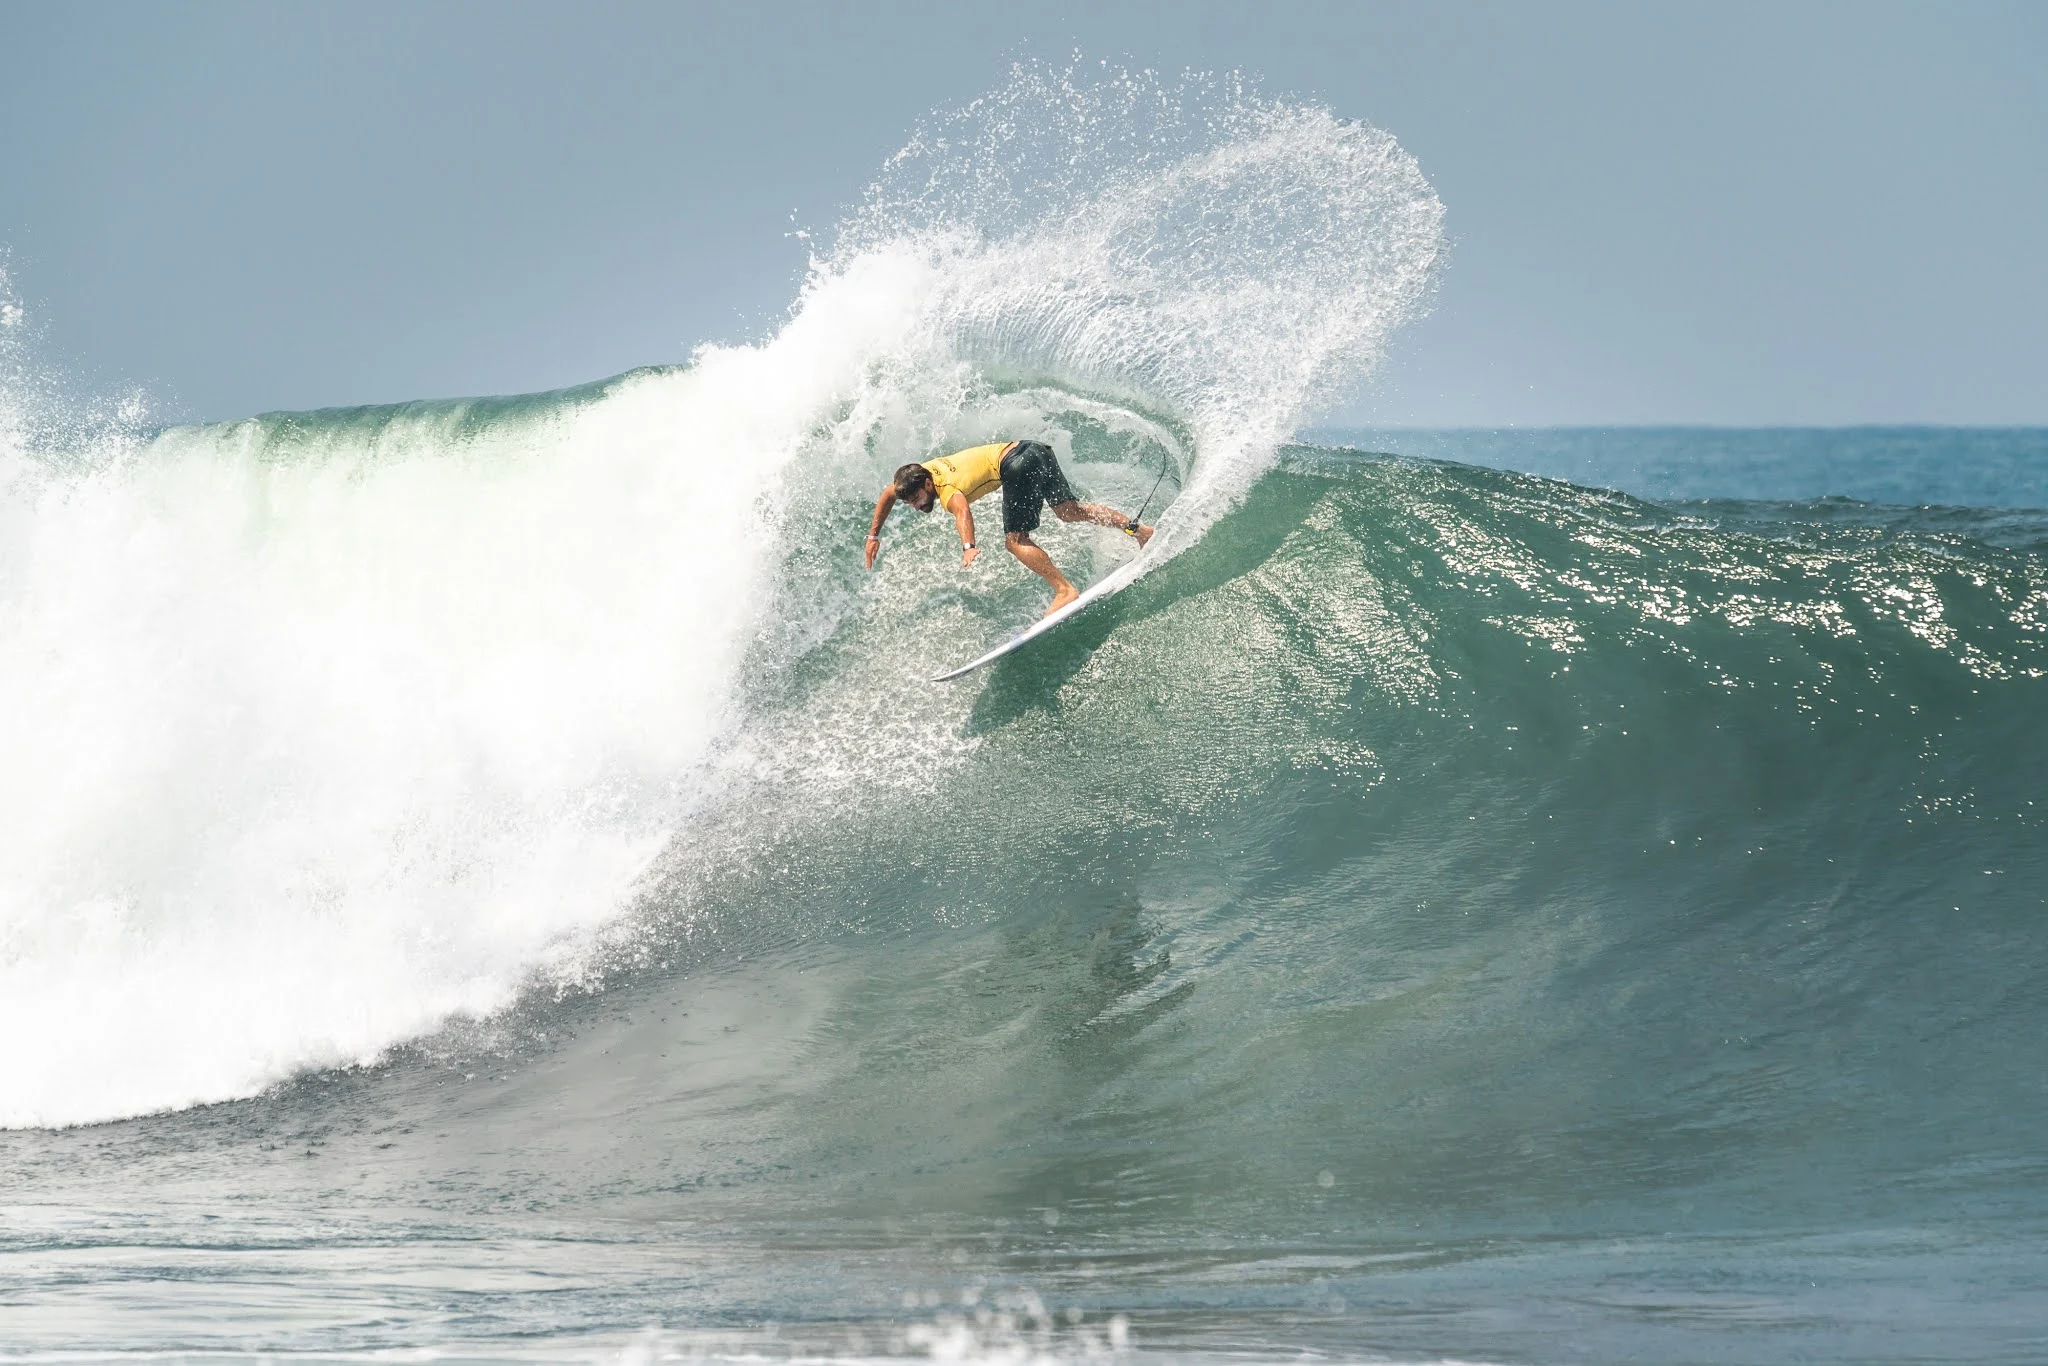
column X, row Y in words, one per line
column 1723, row 213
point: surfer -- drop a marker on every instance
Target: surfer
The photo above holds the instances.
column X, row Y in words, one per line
column 1030, row 477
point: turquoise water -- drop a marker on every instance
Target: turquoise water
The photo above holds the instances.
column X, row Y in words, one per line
column 474, row 888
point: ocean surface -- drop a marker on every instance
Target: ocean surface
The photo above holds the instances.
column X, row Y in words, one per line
column 486, row 880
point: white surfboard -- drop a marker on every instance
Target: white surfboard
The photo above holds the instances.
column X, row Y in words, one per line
column 1094, row 593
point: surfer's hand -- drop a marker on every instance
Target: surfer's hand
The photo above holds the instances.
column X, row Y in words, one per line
column 874, row 547
column 967, row 555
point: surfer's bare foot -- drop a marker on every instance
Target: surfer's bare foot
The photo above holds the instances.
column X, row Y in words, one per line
column 1066, row 594
column 1144, row 534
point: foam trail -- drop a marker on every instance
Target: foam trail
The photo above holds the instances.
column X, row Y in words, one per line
column 322, row 729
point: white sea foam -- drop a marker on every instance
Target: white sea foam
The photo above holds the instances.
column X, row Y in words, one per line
column 318, row 731
column 307, row 750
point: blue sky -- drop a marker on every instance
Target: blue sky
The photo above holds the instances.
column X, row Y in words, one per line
column 1728, row 213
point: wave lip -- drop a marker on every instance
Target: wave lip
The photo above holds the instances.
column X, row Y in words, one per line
column 1193, row 247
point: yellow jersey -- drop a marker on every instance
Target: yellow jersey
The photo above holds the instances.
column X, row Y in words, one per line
column 973, row 473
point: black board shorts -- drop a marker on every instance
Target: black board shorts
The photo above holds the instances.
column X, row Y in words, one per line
column 1031, row 478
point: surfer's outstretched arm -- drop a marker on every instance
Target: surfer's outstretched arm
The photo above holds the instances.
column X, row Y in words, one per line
column 882, row 506
column 963, row 517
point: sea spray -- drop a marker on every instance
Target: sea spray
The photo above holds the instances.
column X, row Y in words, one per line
column 1190, row 246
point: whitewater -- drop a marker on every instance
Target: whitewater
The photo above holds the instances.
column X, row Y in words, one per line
column 486, row 879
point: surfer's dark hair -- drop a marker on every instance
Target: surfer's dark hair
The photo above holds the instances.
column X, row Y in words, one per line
column 911, row 478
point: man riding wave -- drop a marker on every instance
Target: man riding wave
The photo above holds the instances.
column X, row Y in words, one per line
column 1029, row 476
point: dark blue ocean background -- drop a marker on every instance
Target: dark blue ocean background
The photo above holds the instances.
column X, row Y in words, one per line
column 1976, row 467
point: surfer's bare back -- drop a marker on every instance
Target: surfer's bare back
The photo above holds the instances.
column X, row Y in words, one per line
column 1030, row 477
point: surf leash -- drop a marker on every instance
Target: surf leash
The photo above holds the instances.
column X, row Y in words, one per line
column 1131, row 527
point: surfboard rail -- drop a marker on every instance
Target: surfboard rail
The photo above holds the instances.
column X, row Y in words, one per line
column 1119, row 578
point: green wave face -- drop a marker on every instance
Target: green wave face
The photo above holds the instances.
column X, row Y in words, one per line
column 1518, row 856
